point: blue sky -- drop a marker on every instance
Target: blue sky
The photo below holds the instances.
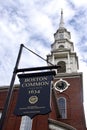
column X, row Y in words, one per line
column 33, row 23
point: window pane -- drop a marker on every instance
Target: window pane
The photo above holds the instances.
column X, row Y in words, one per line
column 61, row 103
column 62, row 107
column 63, row 114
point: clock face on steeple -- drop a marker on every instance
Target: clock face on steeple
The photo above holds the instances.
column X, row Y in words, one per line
column 61, row 85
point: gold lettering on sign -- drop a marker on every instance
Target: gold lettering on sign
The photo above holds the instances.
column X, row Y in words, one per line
column 36, row 79
column 34, row 91
column 35, row 82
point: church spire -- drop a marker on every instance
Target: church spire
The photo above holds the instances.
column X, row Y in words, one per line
column 61, row 25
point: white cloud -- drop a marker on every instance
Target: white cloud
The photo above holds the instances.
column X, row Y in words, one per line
column 79, row 3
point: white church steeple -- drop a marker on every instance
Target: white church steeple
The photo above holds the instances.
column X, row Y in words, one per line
column 62, row 50
column 61, row 25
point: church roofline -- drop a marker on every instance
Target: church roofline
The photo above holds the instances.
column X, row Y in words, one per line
column 6, row 87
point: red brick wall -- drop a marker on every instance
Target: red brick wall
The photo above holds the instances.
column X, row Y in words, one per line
column 12, row 122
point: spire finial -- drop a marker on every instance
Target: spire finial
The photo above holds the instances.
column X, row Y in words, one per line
column 61, row 25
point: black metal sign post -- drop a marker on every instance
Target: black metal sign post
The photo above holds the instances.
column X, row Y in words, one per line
column 4, row 113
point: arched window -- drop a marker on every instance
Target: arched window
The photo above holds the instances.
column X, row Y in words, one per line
column 61, row 46
column 62, row 107
column 62, row 64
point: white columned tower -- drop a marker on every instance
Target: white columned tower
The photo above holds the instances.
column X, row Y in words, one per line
column 62, row 50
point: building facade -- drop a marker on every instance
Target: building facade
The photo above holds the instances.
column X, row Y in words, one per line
column 67, row 111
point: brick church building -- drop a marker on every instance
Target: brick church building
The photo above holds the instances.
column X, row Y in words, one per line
column 67, row 111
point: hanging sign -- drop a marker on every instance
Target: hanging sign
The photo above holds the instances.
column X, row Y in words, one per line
column 34, row 94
